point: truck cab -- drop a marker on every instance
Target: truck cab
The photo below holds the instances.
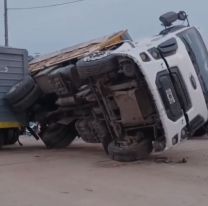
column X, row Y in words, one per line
column 182, row 81
column 177, row 79
column 173, row 67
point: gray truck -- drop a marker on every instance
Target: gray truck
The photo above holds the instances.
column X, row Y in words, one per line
column 13, row 69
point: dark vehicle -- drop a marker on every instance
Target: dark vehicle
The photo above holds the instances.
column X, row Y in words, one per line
column 13, row 69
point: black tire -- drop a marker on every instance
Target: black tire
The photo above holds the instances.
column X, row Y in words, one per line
column 28, row 100
column 200, row 132
column 133, row 152
column 11, row 136
column 12, row 141
column 1, row 139
column 20, row 90
column 97, row 66
column 58, row 136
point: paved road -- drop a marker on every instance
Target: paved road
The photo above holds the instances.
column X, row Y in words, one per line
column 82, row 175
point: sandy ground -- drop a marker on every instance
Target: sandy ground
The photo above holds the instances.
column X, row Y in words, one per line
column 82, row 175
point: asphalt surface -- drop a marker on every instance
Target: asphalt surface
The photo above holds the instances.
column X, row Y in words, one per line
column 82, row 175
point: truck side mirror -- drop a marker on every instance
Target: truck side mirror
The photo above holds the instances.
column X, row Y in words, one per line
column 168, row 18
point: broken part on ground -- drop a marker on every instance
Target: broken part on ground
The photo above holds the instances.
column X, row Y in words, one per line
column 132, row 97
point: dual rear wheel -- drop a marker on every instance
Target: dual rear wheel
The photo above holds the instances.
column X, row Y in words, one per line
column 23, row 95
column 8, row 136
column 56, row 136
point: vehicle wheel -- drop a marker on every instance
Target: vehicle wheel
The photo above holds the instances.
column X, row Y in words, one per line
column 11, row 137
column 58, row 136
column 96, row 65
column 1, row 139
column 128, row 153
column 13, row 140
column 200, row 132
column 27, row 101
column 20, row 90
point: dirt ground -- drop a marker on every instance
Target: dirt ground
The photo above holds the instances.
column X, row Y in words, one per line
column 82, row 175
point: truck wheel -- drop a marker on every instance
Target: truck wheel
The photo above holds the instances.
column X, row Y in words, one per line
column 58, row 136
column 11, row 136
column 97, row 65
column 200, row 132
column 1, row 139
column 28, row 100
column 128, row 153
column 12, row 141
column 20, row 90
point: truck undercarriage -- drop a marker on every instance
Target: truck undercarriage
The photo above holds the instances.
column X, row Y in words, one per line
column 105, row 100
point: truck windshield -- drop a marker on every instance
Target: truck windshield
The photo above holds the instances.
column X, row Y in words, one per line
column 198, row 54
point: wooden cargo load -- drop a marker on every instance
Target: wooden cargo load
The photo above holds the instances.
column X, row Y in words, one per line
column 72, row 54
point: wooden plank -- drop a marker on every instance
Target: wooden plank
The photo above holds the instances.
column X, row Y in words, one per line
column 77, row 52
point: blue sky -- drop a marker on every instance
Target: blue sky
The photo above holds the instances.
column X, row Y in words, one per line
column 51, row 29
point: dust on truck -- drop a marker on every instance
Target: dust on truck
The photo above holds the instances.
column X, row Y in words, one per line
column 13, row 69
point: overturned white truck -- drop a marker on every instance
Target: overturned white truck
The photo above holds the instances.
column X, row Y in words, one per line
column 133, row 97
